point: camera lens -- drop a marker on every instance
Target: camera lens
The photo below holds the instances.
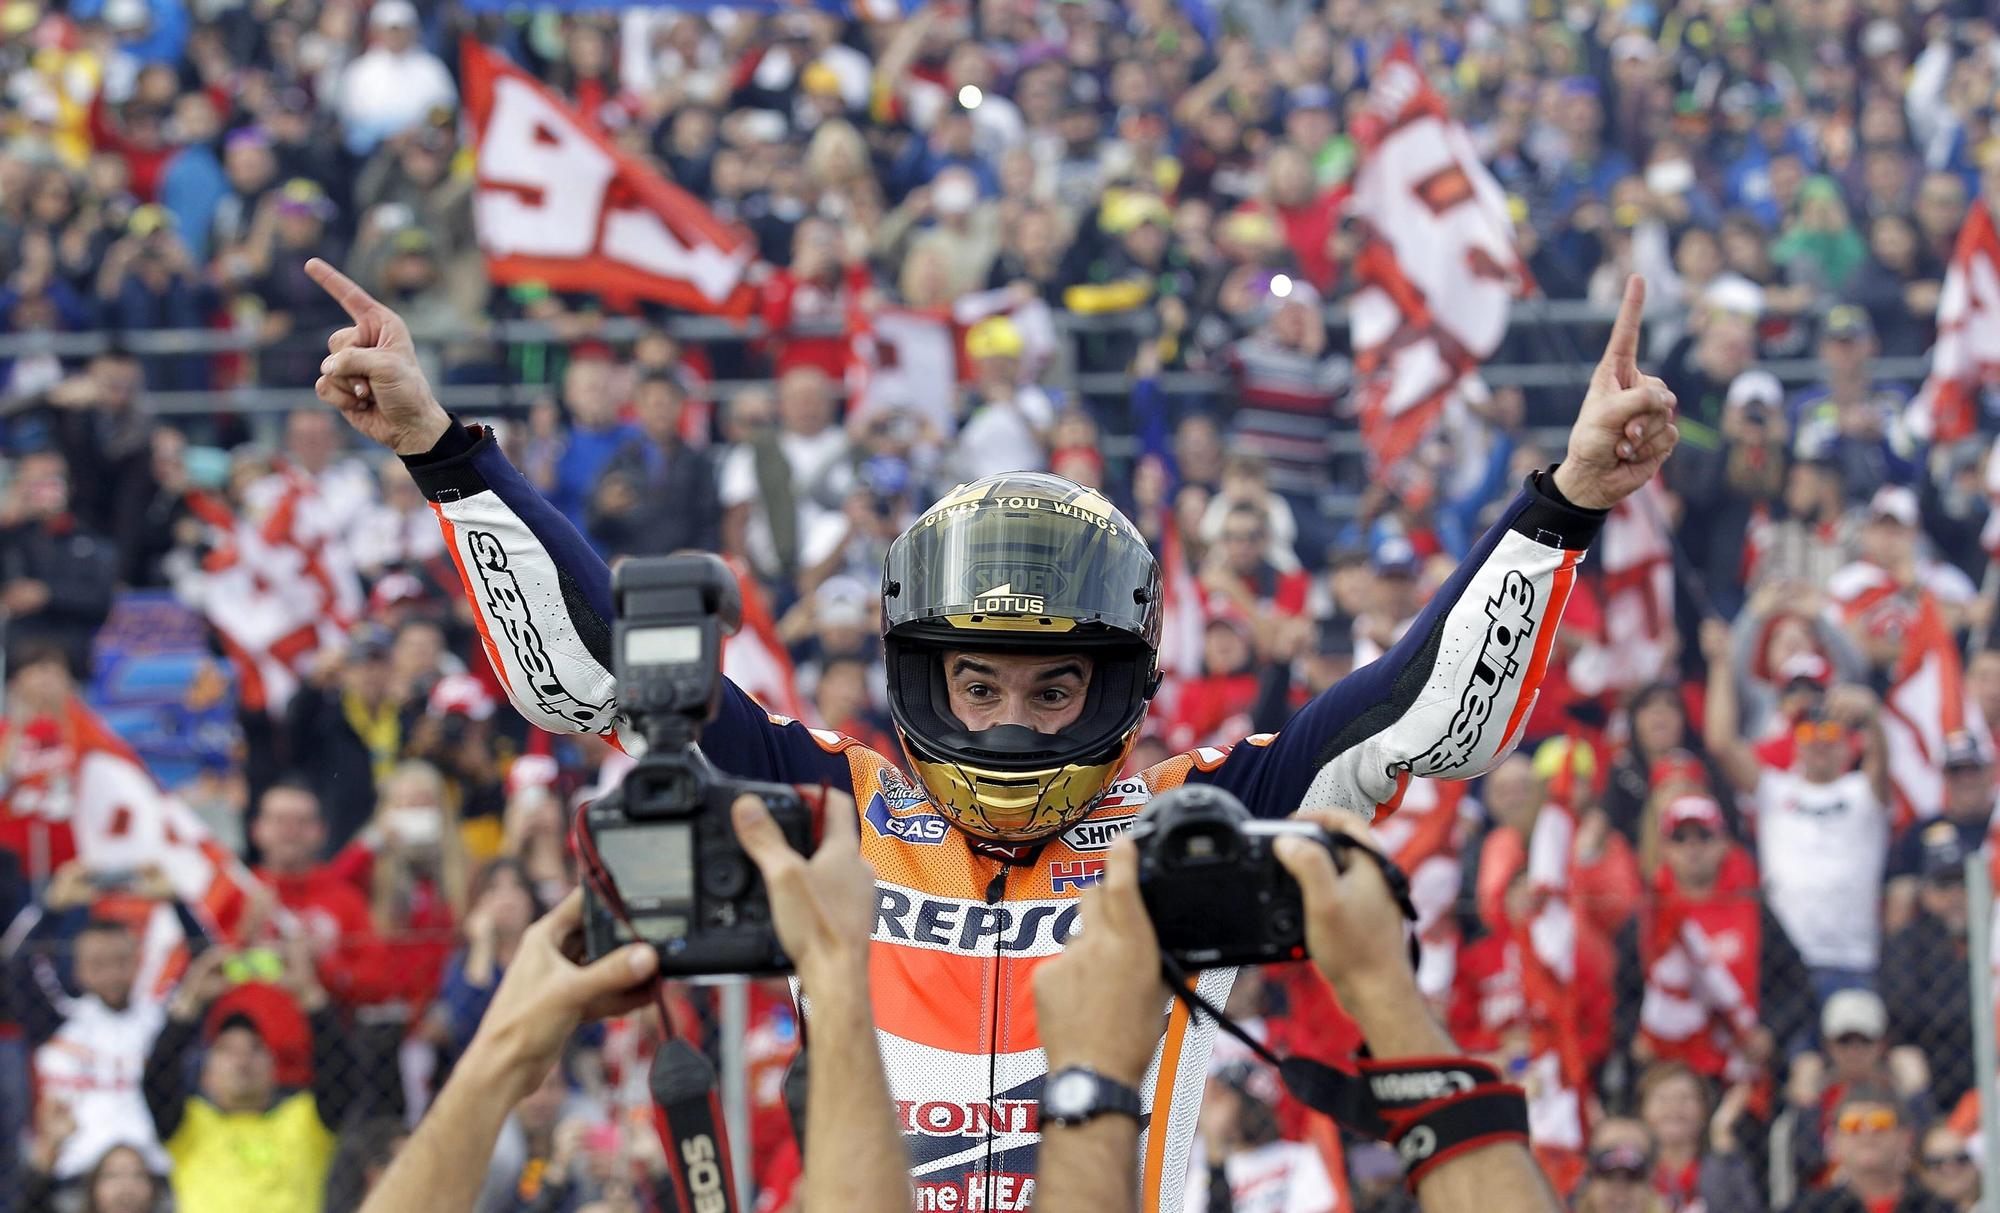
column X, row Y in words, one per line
column 723, row 876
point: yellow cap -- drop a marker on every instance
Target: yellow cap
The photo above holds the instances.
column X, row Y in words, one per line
column 1127, row 210
column 148, row 219
column 1559, row 752
column 994, row 337
column 820, row 80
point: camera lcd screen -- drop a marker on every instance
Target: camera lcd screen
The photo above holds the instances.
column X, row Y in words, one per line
column 651, row 865
column 663, row 646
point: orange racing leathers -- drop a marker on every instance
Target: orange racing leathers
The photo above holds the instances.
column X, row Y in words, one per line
column 961, row 925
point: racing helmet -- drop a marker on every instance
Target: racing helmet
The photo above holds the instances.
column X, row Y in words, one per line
column 1022, row 562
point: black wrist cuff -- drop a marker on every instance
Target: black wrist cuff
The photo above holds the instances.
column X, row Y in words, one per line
column 1550, row 517
column 1442, row 1129
column 1408, row 1084
column 445, row 472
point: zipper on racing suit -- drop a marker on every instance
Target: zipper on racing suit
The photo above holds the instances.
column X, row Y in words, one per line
column 996, row 892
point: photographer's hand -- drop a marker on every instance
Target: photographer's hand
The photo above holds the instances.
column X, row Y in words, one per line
column 1100, row 1005
column 824, row 909
column 542, row 998
column 1354, row 931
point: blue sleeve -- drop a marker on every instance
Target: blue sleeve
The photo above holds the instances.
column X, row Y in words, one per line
column 1456, row 518
column 1449, row 699
column 464, row 1004
column 1149, row 420
column 541, row 599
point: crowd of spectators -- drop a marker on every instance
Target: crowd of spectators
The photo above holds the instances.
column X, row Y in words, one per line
column 1712, row 817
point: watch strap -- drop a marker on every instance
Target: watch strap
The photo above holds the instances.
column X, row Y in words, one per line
column 1109, row 1096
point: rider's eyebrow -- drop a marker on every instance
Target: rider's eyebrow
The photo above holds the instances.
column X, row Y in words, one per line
column 968, row 665
column 1070, row 669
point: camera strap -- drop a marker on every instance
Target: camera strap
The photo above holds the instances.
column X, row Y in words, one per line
column 1430, row 1108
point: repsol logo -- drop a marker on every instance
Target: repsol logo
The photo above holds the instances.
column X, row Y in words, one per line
column 906, row 916
column 704, row 1175
column 941, row 1118
column 505, row 605
column 1510, row 622
column 1420, row 1086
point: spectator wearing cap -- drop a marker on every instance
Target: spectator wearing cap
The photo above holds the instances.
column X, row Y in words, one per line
column 1822, row 822
column 1286, row 384
column 1007, row 419
column 1617, row 1176
column 1893, row 568
column 1784, row 653
column 292, row 227
column 1708, row 976
column 1924, row 979
column 1820, row 248
column 460, row 735
column 148, row 281
column 657, row 494
column 1851, row 417
column 1854, row 1027
column 250, row 167
column 1130, row 261
column 392, row 85
column 1967, row 811
column 240, row 1138
column 1870, row 1150
column 1239, row 1160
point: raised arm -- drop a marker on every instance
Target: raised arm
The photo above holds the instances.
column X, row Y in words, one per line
column 1449, row 700
column 1721, row 725
column 541, row 596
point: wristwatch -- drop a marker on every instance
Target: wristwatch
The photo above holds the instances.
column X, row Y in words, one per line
column 1075, row 1095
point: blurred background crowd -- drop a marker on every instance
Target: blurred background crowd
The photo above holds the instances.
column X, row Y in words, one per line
column 1714, row 915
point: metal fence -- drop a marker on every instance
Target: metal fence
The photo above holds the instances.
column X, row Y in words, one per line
column 391, row 1057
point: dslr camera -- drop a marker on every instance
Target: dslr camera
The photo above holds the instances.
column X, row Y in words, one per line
column 1216, row 893
column 663, row 862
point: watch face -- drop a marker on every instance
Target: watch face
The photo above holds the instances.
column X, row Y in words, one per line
column 1070, row 1093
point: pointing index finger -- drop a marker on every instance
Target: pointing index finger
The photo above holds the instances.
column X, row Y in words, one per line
column 358, row 303
column 1623, row 348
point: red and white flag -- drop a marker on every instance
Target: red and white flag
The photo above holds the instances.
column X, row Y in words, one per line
column 558, row 204
column 75, row 790
column 1437, row 268
column 755, row 658
column 904, row 361
column 1966, row 357
column 1927, row 703
column 273, row 599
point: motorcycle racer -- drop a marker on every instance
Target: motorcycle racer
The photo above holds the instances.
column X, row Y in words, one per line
column 1022, row 622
